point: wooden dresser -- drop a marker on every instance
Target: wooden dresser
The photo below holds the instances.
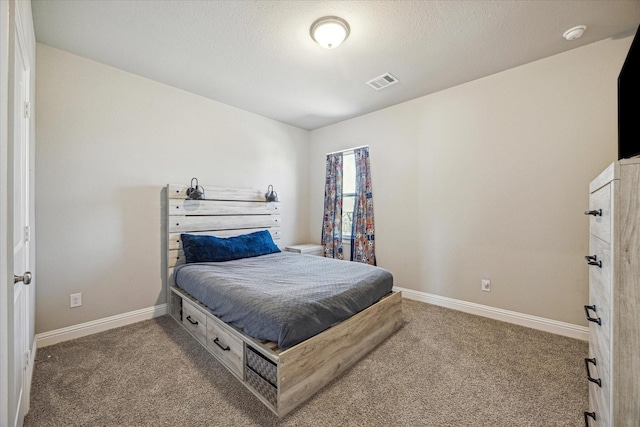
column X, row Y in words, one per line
column 613, row 365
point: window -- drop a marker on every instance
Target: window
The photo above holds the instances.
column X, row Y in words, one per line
column 348, row 192
column 348, row 201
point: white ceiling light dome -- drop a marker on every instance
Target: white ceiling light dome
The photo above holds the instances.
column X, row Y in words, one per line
column 330, row 31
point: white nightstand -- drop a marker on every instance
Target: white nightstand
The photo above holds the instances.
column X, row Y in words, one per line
column 307, row 249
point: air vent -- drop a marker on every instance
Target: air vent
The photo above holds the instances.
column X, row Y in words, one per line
column 382, row 81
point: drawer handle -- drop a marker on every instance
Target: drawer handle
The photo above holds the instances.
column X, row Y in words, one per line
column 193, row 322
column 592, row 319
column 217, row 342
column 589, row 377
column 586, row 417
column 593, row 260
column 597, row 212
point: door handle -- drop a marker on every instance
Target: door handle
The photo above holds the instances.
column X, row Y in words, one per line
column 26, row 279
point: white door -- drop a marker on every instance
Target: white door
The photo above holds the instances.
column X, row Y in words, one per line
column 16, row 313
column 6, row 308
column 19, row 142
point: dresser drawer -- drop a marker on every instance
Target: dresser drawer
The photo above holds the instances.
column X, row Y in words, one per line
column 226, row 347
column 194, row 320
column 600, row 334
column 599, row 401
column 595, row 402
column 600, row 275
column 600, row 225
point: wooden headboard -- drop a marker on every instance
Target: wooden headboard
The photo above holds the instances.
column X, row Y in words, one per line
column 224, row 212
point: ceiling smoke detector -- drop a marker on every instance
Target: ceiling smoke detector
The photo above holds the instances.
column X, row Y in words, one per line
column 382, row 81
column 575, row 32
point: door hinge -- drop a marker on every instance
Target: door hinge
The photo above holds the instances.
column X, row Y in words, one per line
column 27, row 233
column 27, row 358
column 27, row 109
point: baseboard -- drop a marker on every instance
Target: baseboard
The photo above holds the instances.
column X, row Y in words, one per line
column 553, row 326
column 534, row 322
column 83, row 329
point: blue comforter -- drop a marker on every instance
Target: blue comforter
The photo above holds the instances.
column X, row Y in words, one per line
column 284, row 297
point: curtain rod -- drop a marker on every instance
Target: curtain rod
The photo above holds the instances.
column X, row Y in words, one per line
column 347, row 150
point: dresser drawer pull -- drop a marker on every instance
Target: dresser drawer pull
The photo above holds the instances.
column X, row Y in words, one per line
column 193, row 322
column 217, row 342
column 586, row 417
column 597, row 212
column 592, row 319
column 589, row 377
column 593, row 260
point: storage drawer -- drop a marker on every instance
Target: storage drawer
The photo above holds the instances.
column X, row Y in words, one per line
column 600, row 276
column 228, row 348
column 600, row 335
column 594, row 407
column 600, row 225
column 598, row 395
column 262, row 387
column 194, row 320
column 263, row 367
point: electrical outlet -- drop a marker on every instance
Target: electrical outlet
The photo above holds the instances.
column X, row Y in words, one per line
column 486, row 285
column 75, row 300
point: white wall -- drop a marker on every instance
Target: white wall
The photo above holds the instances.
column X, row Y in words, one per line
column 108, row 143
column 489, row 180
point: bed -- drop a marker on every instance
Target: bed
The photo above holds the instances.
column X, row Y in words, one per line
column 279, row 362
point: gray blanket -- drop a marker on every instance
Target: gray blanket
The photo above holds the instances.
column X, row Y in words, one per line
column 284, row 297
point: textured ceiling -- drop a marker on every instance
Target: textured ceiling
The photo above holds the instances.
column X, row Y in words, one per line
column 258, row 55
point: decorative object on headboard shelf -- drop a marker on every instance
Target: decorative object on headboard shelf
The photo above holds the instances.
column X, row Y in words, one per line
column 195, row 192
column 271, row 195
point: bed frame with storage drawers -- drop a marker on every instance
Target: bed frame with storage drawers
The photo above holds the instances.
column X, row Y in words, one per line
column 281, row 379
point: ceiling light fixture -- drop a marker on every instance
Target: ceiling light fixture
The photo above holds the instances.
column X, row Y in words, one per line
column 575, row 32
column 330, row 31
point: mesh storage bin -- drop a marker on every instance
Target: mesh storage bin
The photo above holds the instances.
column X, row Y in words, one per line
column 263, row 387
column 263, row 367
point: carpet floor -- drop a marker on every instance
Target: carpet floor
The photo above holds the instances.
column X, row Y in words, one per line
column 442, row 368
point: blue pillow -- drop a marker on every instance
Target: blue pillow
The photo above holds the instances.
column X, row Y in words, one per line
column 216, row 249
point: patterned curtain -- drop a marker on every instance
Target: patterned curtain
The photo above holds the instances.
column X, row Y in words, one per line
column 332, row 224
column 362, row 234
